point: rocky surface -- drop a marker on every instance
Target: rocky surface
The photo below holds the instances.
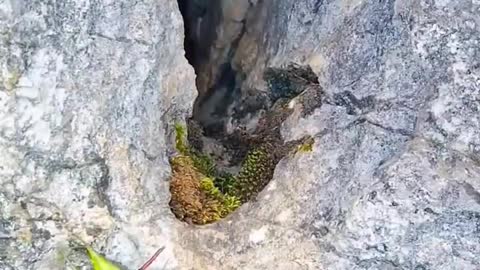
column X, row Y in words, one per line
column 394, row 177
column 91, row 90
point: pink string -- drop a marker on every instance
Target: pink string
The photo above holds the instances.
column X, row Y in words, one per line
column 152, row 259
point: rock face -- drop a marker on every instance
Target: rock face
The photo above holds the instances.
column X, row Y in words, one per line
column 91, row 90
column 393, row 181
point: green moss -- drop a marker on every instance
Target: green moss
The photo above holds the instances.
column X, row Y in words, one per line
column 228, row 203
column 306, row 146
column 255, row 173
column 195, row 196
column 180, row 139
column 189, row 200
column 204, row 163
column 204, row 194
column 209, row 187
column 257, row 169
column 226, row 183
column 200, row 192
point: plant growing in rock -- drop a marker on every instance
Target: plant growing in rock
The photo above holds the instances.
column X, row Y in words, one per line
column 188, row 202
column 228, row 203
column 195, row 198
column 254, row 174
column 226, row 182
column 101, row 263
column 306, row 146
column 200, row 192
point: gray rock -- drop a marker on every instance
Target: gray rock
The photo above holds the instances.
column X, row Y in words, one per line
column 393, row 180
column 89, row 95
column 90, row 91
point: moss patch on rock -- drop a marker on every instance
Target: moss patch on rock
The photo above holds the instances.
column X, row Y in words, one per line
column 306, row 146
column 194, row 196
column 255, row 173
column 201, row 193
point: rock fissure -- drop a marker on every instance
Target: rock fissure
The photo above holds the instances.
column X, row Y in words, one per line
column 86, row 79
column 226, row 160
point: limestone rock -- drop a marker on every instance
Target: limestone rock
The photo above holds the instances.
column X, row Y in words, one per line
column 393, row 181
column 89, row 96
column 91, row 89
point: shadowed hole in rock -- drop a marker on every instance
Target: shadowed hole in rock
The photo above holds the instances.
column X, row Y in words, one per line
column 228, row 150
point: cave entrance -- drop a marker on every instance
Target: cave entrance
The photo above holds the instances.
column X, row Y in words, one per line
column 213, row 29
column 228, row 150
column 201, row 17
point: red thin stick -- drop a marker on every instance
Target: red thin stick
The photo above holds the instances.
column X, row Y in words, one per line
column 152, row 259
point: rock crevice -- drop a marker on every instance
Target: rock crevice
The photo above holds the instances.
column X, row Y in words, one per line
column 90, row 90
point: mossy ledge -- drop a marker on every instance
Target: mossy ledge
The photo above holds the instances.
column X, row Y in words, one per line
column 195, row 198
column 203, row 194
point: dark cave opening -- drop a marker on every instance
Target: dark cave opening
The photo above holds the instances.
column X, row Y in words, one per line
column 218, row 83
column 200, row 20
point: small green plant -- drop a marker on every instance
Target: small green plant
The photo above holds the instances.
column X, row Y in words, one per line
column 209, row 187
column 226, row 183
column 254, row 174
column 100, row 263
column 306, row 146
column 180, row 139
column 228, row 203
column 204, row 163
column 195, row 196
